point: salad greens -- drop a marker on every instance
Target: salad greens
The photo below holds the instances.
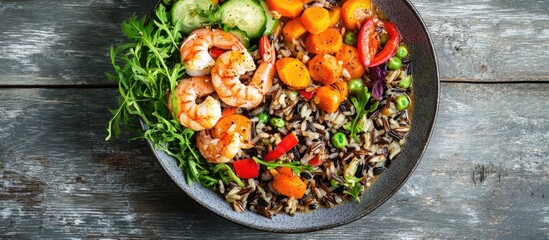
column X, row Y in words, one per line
column 147, row 69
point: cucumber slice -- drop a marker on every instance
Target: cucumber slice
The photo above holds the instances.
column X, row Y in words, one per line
column 186, row 11
column 242, row 36
column 270, row 27
column 271, row 21
column 247, row 15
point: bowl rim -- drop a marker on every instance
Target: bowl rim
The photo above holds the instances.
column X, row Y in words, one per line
column 363, row 213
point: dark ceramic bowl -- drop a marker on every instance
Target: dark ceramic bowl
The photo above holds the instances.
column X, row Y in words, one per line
column 426, row 87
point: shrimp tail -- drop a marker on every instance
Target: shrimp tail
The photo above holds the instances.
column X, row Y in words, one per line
column 266, row 70
column 267, row 50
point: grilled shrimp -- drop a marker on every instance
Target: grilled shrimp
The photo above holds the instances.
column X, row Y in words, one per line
column 232, row 64
column 190, row 114
column 218, row 150
column 194, row 50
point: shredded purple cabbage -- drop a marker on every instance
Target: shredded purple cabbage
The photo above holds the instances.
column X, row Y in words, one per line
column 378, row 76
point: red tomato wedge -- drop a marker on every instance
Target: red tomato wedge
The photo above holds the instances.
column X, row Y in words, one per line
column 368, row 44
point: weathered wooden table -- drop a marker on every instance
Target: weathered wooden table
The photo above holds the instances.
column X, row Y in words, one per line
column 484, row 175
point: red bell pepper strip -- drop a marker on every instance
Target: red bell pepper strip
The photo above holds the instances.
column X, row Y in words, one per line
column 272, row 155
column 246, row 168
column 307, row 95
column 287, row 143
column 316, row 161
column 216, row 52
column 368, row 44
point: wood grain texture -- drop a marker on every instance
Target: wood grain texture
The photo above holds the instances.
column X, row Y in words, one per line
column 484, row 174
column 61, row 42
column 47, row 42
column 489, row 40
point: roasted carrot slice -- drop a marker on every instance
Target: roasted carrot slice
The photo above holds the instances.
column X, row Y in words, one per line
column 293, row 73
column 285, row 170
column 315, row 19
column 286, row 8
column 289, row 185
column 343, row 88
column 355, row 12
column 329, row 41
column 325, row 69
column 349, row 56
column 293, row 30
column 329, row 97
column 335, row 16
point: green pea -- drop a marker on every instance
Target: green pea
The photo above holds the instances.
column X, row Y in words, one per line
column 402, row 102
column 405, row 82
column 263, row 117
column 277, row 122
column 402, row 51
column 339, row 140
column 356, row 85
column 394, row 63
column 350, row 38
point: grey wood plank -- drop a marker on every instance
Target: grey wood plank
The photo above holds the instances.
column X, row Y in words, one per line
column 484, row 174
column 490, row 40
column 61, row 42
column 66, row 42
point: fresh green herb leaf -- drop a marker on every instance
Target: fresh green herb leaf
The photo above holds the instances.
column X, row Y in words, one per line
column 347, row 126
column 227, row 174
column 373, row 107
column 352, row 183
column 360, row 102
column 212, row 15
column 295, row 166
column 355, row 192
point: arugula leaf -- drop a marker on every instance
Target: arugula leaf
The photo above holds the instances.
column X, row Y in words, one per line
column 359, row 102
column 227, row 174
column 355, row 192
column 162, row 24
column 347, row 126
column 352, row 182
column 295, row 166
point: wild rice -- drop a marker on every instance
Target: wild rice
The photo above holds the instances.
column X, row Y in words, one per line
column 379, row 142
